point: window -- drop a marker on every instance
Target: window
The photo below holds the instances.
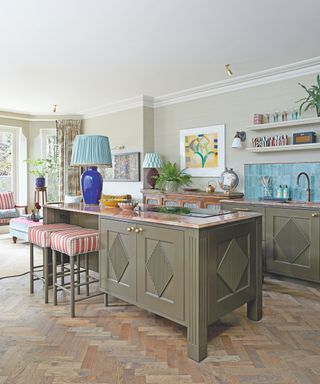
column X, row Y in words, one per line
column 7, row 174
column 49, row 148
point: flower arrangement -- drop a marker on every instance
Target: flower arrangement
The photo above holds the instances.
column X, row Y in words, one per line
column 35, row 212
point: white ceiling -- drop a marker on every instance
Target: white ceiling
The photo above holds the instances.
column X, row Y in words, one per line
column 82, row 54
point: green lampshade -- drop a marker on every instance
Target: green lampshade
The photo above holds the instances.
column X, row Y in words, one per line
column 91, row 150
column 152, row 160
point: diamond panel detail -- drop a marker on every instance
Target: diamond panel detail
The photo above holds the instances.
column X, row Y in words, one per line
column 159, row 269
column 233, row 265
column 291, row 240
column 118, row 258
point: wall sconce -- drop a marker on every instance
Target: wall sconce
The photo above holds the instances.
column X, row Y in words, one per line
column 239, row 137
column 118, row 147
column 228, row 70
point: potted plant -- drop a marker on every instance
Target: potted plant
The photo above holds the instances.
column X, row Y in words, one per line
column 171, row 177
column 41, row 168
column 313, row 98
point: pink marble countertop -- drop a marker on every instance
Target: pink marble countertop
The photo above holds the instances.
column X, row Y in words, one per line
column 268, row 203
column 155, row 217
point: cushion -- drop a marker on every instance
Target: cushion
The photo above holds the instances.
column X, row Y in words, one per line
column 75, row 242
column 22, row 224
column 6, row 200
column 8, row 213
column 41, row 235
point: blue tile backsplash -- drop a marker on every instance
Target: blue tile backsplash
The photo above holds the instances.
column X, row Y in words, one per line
column 282, row 174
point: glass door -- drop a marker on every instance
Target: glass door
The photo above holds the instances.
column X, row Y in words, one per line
column 49, row 149
column 7, row 159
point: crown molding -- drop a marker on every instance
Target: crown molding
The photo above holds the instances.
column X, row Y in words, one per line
column 283, row 72
column 26, row 117
column 118, row 106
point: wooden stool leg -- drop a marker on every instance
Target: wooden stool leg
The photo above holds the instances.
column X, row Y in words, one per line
column 14, row 239
column 46, row 275
column 62, row 268
column 86, row 262
column 78, row 274
column 54, row 276
column 31, row 269
column 106, row 300
column 72, row 293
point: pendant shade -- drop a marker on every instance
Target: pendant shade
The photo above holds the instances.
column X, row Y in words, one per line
column 91, row 150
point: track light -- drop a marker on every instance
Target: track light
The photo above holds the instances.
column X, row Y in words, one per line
column 228, row 70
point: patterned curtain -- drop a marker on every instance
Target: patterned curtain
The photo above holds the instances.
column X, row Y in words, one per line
column 69, row 177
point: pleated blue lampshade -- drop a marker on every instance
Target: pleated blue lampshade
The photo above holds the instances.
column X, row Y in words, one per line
column 91, row 150
column 152, row 160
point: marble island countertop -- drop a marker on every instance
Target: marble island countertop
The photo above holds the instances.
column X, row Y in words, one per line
column 270, row 203
column 156, row 217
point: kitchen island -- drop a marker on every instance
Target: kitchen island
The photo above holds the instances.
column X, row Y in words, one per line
column 191, row 270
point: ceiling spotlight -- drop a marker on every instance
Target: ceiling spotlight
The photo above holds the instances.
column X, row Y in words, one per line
column 228, row 70
column 55, row 108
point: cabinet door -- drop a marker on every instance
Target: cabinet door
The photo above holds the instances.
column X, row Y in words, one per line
column 292, row 243
column 118, row 259
column 160, row 270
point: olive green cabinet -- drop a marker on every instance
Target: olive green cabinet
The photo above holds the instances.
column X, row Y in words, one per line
column 142, row 264
column 160, row 278
column 292, row 243
column 118, row 259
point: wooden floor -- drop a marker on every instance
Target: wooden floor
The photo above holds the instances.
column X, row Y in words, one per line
column 122, row 344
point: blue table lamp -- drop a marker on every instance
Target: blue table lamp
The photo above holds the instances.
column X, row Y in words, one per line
column 91, row 151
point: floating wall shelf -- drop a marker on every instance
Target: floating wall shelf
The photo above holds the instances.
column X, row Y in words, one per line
column 285, row 124
column 283, row 148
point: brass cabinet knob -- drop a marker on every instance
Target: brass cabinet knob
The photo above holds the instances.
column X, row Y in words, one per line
column 129, row 229
column 315, row 215
column 140, row 229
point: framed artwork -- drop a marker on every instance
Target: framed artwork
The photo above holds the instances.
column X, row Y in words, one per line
column 125, row 167
column 202, row 151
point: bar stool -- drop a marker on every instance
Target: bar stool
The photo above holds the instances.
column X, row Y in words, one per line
column 74, row 243
column 40, row 236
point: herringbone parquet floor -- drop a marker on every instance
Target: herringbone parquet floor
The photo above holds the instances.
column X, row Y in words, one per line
column 122, row 344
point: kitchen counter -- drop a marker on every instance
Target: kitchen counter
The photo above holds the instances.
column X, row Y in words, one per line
column 269, row 203
column 156, row 217
column 190, row 270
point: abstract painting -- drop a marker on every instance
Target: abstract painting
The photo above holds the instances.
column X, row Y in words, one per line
column 202, row 151
column 125, row 167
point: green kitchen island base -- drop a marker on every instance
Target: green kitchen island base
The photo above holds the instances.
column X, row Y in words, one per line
column 189, row 270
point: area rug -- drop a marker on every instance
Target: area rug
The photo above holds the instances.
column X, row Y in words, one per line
column 14, row 258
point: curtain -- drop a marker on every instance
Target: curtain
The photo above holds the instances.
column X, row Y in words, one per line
column 69, row 177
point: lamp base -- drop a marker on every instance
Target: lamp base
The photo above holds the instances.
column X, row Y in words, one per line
column 91, row 186
column 151, row 181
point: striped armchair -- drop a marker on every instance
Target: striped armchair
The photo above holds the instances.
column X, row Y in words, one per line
column 8, row 208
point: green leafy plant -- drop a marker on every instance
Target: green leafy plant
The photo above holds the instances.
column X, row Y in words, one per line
column 313, row 98
column 171, row 172
column 42, row 167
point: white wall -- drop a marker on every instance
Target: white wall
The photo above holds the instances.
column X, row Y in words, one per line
column 235, row 110
column 122, row 128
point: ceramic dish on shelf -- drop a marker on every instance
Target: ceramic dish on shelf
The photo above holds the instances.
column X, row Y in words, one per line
column 127, row 204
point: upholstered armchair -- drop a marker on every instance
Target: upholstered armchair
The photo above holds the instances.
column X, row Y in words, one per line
column 8, row 208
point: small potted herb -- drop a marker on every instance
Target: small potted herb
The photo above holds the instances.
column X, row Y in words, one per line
column 41, row 168
column 171, row 177
column 313, row 98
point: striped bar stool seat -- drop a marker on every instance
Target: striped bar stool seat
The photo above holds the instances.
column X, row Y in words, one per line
column 41, row 236
column 74, row 243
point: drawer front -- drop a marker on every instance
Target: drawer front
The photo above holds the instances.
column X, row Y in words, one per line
column 160, row 272
column 171, row 203
column 151, row 200
column 118, row 259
